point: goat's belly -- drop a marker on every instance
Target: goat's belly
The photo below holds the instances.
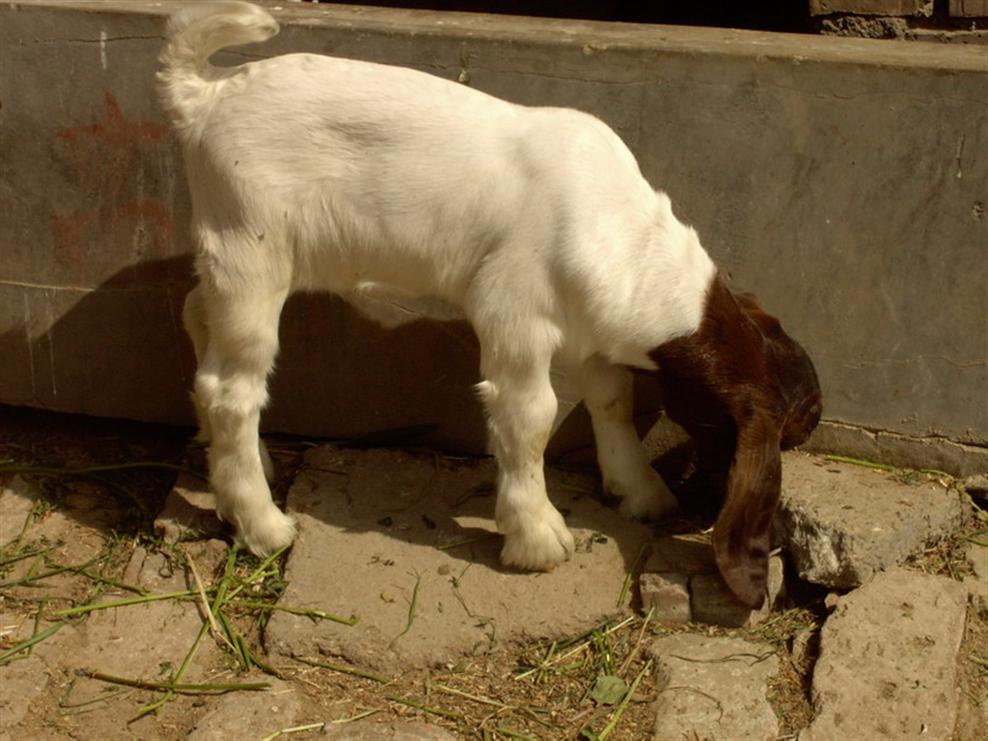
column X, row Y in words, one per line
column 392, row 308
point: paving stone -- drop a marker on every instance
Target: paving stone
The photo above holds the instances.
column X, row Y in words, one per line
column 977, row 554
column 976, row 485
column 667, row 595
column 888, row 660
column 842, row 523
column 373, row 730
column 241, row 715
column 189, row 512
column 17, row 499
column 977, row 585
column 408, row 543
column 683, row 554
column 137, row 641
column 25, row 679
column 776, row 597
column 712, row 687
column 805, row 648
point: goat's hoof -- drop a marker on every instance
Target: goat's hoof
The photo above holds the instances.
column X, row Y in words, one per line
column 540, row 544
column 268, row 533
column 645, row 498
column 653, row 507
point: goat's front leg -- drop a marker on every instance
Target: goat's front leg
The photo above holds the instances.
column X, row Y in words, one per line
column 231, row 390
column 624, row 467
column 521, row 407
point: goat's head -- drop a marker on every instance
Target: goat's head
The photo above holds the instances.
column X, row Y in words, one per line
column 744, row 389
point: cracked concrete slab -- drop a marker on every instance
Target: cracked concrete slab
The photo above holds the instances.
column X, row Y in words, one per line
column 145, row 641
column 888, row 660
column 17, row 499
column 236, row 716
column 713, row 687
column 842, row 523
column 407, row 543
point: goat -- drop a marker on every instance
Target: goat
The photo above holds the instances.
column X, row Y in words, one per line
column 313, row 173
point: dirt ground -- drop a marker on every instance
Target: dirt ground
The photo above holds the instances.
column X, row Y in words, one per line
column 87, row 538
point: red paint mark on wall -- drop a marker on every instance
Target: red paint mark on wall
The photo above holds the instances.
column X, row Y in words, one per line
column 105, row 156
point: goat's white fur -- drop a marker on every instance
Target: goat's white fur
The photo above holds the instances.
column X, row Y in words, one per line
column 314, row 173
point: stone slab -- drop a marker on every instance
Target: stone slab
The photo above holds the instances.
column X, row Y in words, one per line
column 841, row 523
column 189, row 512
column 376, row 730
column 977, row 585
column 245, row 716
column 17, row 499
column 888, row 660
column 137, row 641
column 407, row 543
column 713, row 687
column 26, row 679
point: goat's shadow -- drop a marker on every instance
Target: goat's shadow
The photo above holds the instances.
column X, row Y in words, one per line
column 119, row 351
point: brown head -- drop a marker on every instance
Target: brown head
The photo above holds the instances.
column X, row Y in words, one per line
column 744, row 390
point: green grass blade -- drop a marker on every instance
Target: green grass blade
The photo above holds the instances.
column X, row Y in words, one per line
column 48, row 632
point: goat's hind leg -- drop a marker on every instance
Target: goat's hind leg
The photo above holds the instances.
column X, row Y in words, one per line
column 231, row 389
column 624, row 467
column 194, row 321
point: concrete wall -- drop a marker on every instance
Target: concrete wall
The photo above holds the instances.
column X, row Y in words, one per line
column 844, row 181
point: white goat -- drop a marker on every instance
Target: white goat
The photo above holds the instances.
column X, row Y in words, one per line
column 314, row 173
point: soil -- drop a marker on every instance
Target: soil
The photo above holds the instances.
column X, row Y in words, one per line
column 525, row 687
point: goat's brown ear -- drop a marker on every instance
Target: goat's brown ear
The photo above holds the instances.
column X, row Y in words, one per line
column 742, row 531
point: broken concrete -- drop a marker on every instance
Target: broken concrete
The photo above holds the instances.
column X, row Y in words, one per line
column 17, row 499
column 713, row 687
column 842, row 523
column 374, row 730
column 145, row 641
column 977, row 585
column 27, row 678
column 888, row 660
column 241, row 716
column 407, row 543
column 189, row 512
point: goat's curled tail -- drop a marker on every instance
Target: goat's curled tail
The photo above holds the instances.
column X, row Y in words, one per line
column 192, row 36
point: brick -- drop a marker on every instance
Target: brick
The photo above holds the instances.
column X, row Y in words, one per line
column 969, row 8
column 873, row 7
column 712, row 602
column 668, row 595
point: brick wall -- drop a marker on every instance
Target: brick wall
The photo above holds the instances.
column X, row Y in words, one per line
column 954, row 21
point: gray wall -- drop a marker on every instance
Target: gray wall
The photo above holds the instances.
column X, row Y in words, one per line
column 843, row 181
